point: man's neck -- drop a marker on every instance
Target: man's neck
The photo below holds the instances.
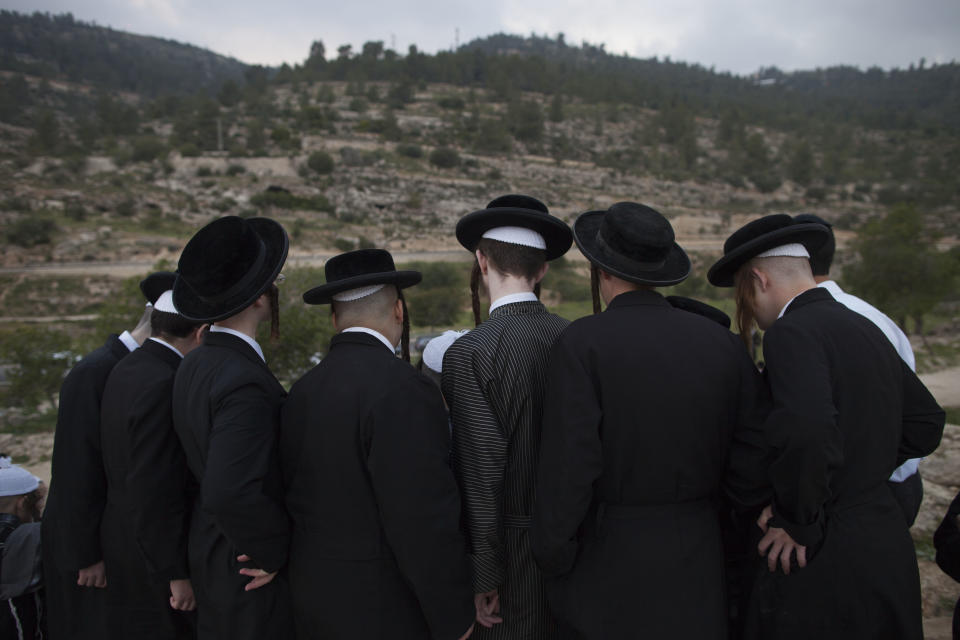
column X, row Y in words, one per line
column 819, row 279
column 507, row 285
column 243, row 322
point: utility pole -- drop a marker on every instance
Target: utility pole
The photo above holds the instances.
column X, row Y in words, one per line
column 456, row 39
column 219, row 136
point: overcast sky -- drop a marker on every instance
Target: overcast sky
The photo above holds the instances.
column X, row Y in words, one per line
column 732, row 35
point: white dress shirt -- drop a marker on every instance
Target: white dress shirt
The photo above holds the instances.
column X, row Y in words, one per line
column 250, row 341
column 373, row 332
column 524, row 296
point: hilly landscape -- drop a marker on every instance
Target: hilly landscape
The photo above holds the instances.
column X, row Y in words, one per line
column 115, row 148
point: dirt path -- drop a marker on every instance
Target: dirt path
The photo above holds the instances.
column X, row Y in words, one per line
column 944, row 385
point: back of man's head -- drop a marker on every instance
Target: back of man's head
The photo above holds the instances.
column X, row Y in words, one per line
column 164, row 324
column 513, row 259
column 784, row 270
column 372, row 311
column 822, row 259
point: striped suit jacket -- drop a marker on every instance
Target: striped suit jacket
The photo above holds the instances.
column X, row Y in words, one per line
column 494, row 379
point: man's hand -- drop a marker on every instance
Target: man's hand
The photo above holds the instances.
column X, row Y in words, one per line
column 260, row 577
column 777, row 544
column 488, row 606
column 468, row 633
column 181, row 595
column 93, row 576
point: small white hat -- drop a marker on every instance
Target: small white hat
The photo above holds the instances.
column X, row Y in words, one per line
column 433, row 352
column 790, row 250
column 14, row 480
column 517, row 235
column 165, row 302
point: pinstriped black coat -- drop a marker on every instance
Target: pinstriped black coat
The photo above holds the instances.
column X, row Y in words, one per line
column 494, row 379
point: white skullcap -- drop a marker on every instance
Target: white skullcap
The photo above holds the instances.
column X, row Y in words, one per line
column 517, row 235
column 14, row 480
column 356, row 294
column 792, row 250
column 165, row 302
column 433, row 352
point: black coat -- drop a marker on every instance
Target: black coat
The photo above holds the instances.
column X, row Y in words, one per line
column 846, row 411
column 226, row 411
column 642, row 404
column 149, row 495
column 376, row 551
column 78, row 492
column 947, row 542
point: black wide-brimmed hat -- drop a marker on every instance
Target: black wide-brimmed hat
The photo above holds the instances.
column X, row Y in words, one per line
column 633, row 242
column 360, row 268
column 156, row 283
column 516, row 211
column 761, row 235
column 701, row 309
column 227, row 265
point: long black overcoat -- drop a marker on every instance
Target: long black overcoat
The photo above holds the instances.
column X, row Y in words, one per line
column 226, row 411
column 376, row 551
column 643, row 402
column 149, row 496
column 846, row 412
column 78, row 493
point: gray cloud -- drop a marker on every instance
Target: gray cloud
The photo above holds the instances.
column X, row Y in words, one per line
column 734, row 35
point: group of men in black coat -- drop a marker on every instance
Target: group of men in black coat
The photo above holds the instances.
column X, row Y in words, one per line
column 573, row 490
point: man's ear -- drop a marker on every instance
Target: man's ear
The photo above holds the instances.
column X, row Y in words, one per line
column 199, row 332
column 542, row 272
column 482, row 260
column 398, row 311
column 762, row 279
column 333, row 319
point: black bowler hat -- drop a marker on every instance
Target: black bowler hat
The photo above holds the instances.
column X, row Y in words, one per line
column 700, row 308
column 820, row 260
column 516, row 211
column 633, row 242
column 227, row 265
column 360, row 268
column 156, row 283
column 761, row 235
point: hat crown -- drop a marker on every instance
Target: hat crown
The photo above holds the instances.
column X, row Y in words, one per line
column 755, row 229
column 637, row 232
column 358, row 263
column 517, row 201
column 220, row 256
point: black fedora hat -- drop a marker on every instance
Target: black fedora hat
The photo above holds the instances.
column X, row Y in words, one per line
column 516, row 211
column 156, row 283
column 761, row 235
column 701, row 309
column 227, row 265
column 633, row 242
column 360, row 268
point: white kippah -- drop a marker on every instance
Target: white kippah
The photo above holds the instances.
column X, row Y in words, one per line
column 15, row 481
column 165, row 302
column 517, row 235
column 792, row 250
column 433, row 352
column 356, row 294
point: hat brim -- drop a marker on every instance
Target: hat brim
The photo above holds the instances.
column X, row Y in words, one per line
column 324, row 293
column 556, row 234
column 675, row 268
column 193, row 307
column 810, row 235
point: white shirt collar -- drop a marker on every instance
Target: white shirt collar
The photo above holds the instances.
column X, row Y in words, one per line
column 250, row 341
column 523, row 296
column 167, row 345
column 832, row 287
column 128, row 341
column 373, row 332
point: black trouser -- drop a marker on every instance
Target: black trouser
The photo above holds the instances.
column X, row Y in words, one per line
column 909, row 495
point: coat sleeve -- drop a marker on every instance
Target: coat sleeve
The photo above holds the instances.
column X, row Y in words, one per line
column 923, row 419
column 802, row 430
column 571, row 459
column 479, row 461
column 745, row 480
column 419, row 502
column 79, row 479
column 947, row 541
column 157, row 482
column 241, row 459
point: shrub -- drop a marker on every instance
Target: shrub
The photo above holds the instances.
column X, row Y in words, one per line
column 343, row 244
column 410, row 150
column 287, row 200
column 75, row 211
column 147, row 148
column 236, row 169
column 444, row 157
column 321, row 162
column 190, row 150
column 359, row 105
column 29, row 232
column 451, row 102
column 204, row 172
column 125, row 208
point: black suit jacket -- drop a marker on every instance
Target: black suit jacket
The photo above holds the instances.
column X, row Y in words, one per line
column 226, row 411
column 642, row 404
column 147, row 476
column 78, row 487
column 376, row 549
column 846, row 412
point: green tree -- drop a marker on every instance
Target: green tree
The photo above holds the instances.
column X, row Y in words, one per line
column 525, row 120
column 800, row 163
column 46, row 136
column 900, row 270
column 556, row 107
column 321, row 162
column 40, row 358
